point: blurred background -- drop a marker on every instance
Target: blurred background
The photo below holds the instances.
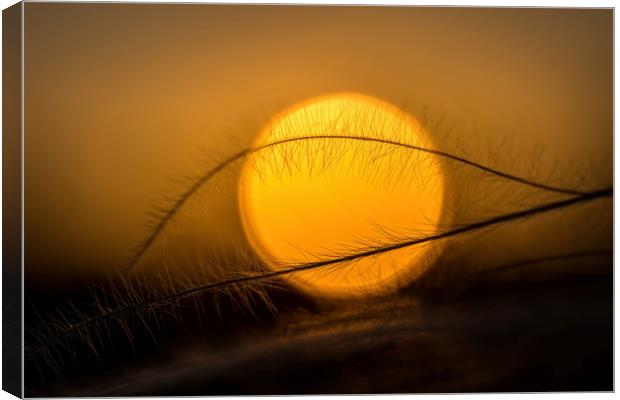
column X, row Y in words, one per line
column 125, row 104
column 122, row 98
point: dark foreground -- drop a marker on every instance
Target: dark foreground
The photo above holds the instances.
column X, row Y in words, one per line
column 547, row 338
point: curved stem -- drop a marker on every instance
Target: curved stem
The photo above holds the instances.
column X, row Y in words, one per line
column 545, row 259
column 178, row 204
column 161, row 301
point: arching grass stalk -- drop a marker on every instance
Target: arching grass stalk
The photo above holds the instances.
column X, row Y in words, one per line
column 168, row 214
column 118, row 314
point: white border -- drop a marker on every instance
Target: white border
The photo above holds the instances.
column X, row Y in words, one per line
column 469, row 3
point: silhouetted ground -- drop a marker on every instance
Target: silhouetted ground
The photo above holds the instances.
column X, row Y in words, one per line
column 554, row 337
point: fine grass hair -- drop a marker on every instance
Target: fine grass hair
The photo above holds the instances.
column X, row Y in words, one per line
column 132, row 300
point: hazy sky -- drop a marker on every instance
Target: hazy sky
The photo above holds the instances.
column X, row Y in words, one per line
column 120, row 98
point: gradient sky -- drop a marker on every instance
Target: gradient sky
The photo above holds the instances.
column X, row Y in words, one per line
column 120, row 98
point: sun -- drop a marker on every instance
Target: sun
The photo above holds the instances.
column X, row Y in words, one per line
column 333, row 176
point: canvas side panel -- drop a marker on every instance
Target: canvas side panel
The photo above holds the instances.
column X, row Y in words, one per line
column 12, row 200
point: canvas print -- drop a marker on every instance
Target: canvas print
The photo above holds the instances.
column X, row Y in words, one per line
column 227, row 199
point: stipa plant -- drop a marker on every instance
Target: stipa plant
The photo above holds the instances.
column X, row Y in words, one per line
column 165, row 216
column 135, row 302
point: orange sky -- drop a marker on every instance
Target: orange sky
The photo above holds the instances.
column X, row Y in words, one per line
column 120, row 98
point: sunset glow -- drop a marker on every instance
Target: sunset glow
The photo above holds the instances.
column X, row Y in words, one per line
column 326, row 192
